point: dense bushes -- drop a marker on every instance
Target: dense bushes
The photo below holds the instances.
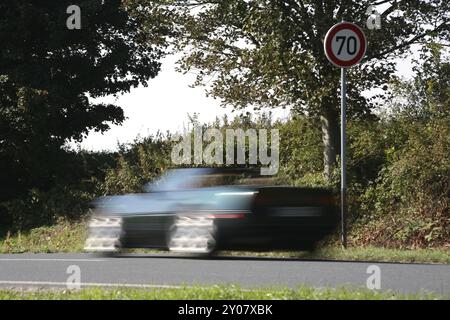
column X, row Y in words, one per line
column 137, row 164
column 398, row 174
column 398, row 167
column 408, row 205
column 67, row 198
column 398, row 178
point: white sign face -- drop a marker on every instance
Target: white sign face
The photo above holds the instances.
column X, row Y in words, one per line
column 345, row 44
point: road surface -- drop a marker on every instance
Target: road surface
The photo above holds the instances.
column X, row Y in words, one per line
column 164, row 270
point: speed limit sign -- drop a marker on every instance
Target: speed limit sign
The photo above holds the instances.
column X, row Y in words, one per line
column 345, row 44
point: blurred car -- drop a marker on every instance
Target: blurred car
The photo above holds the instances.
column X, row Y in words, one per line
column 201, row 210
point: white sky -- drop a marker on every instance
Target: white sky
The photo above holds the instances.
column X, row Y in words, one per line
column 165, row 104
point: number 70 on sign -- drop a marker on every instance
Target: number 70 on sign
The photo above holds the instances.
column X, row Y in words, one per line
column 345, row 44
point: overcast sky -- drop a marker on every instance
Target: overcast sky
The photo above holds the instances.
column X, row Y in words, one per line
column 165, row 104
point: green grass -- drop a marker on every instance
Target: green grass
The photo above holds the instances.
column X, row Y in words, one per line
column 68, row 236
column 435, row 255
column 211, row 293
column 65, row 236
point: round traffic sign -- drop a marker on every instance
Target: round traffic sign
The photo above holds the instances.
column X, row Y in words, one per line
column 345, row 44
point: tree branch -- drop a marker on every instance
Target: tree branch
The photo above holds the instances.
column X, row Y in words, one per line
column 407, row 43
column 301, row 10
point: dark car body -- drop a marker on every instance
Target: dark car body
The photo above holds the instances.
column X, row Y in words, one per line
column 197, row 211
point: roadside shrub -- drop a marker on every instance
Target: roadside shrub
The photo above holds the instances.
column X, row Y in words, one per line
column 40, row 208
column 68, row 199
column 408, row 206
column 137, row 164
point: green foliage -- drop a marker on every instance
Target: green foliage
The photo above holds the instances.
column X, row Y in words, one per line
column 270, row 53
column 300, row 149
column 273, row 50
column 42, row 208
column 67, row 199
column 398, row 178
column 47, row 75
column 62, row 236
column 249, row 54
column 145, row 160
column 407, row 205
column 411, row 196
column 426, row 96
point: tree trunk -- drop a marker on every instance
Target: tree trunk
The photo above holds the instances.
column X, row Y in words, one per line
column 331, row 140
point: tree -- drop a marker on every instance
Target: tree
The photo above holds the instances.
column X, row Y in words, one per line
column 48, row 72
column 427, row 95
column 269, row 53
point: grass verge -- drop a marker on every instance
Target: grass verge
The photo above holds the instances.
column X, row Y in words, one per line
column 435, row 255
column 65, row 236
column 229, row 292
column 68, row 236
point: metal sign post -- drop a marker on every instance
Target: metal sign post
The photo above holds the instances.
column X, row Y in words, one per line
column 343, row 159
column 345, row 45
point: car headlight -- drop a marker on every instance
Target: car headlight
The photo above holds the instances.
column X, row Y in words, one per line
column 105, row 222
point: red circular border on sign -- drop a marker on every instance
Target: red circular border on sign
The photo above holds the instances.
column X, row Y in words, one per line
column 328, row 49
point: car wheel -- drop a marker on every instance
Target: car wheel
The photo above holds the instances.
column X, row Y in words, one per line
column 104, row 235
column 194, row 234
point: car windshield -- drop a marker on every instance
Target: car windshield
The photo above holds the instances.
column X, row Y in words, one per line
column 191, row 178
column 178, row 179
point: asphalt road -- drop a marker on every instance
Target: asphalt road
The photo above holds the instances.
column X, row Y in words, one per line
column 41, row 270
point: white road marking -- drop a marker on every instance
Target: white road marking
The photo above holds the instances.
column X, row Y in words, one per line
column 52, row 260
column 90, row 284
